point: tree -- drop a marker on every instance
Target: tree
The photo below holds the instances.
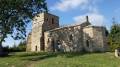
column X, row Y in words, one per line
column 106, row 31
column 15, row 14
column 113, row 39
column 22, row 45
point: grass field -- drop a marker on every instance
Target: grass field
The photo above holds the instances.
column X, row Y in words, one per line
column 50, row 59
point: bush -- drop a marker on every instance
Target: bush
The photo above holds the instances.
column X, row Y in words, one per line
column 6, row 49
column 20, row 48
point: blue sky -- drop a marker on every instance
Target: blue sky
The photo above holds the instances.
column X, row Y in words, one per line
column 100, row 12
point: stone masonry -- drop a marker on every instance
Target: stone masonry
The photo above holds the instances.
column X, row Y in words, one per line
column 41, row 22
column 28, row 47
column 46, row 35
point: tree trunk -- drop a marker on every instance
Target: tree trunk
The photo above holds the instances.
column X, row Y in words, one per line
column 2, row 39
column 1, row 47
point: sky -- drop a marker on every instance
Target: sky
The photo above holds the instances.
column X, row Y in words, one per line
column 100, row 12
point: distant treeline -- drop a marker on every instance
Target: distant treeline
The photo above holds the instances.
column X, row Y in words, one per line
column 21, row 47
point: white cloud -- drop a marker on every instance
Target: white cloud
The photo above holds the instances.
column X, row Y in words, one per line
column 91, row 5
column 94, row 18
column 64, row 5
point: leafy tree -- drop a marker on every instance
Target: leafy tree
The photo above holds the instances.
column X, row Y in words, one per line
column 22, row 46
column 106, row 31
column 113, row 39
column 15, row 14
column 22, row 43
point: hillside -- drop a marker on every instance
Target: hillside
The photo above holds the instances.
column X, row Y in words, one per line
column 50, row 59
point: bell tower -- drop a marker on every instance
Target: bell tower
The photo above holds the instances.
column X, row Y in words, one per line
column 41, row 23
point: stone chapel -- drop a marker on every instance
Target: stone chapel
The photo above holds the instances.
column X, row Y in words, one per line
column 46, row 35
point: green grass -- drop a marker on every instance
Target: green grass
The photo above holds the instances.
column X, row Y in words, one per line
column 50, row 59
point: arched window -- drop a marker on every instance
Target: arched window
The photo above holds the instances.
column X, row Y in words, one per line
column 35, row 19
column 52, row 20
column 36, row 48
column 71, row 37
column 47, row 19
column 87, row 43
column 38, row 15
column 48, row 41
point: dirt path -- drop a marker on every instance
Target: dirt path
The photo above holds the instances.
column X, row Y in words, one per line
column 33, row 63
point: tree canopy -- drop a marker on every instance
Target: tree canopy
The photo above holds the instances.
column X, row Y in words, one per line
column 113, row 39
column 15, row 14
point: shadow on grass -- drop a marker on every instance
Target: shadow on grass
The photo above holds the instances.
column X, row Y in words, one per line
column 45, row 55
column 5, row 54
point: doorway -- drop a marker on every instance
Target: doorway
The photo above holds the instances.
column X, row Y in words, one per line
column 42, row 43
column 53, row 45
column 58, row 45
column 35, row 48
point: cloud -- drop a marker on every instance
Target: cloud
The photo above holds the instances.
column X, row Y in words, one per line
column 94, row 18
column 90, row 5
column 96, row 1
column 64, row 5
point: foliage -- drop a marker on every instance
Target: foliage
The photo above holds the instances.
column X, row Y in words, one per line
column 63, row 25
column 54, row 59
column 6, row 49
column 20, row 48
column 106, row 31
column 113, row 39
column 15, row 14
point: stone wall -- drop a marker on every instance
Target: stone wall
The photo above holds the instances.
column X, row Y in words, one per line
column 94, row 38
column 69, row 37
column 36, row 35
column 88, row 38
column 99, row 38
column 42, row 22
column 50, row 22
column 28, row 46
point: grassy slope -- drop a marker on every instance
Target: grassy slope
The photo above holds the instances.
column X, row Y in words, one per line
column 49, row 59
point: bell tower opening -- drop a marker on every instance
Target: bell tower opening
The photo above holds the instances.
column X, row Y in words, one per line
column 52, row 20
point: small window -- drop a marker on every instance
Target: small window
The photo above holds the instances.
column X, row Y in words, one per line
column 52, row 20
column 48, row 41
column 71, row 37
column 36, row 48
column 47, row 19
column 87, row 43
column 38, row 15
column 35, row 19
